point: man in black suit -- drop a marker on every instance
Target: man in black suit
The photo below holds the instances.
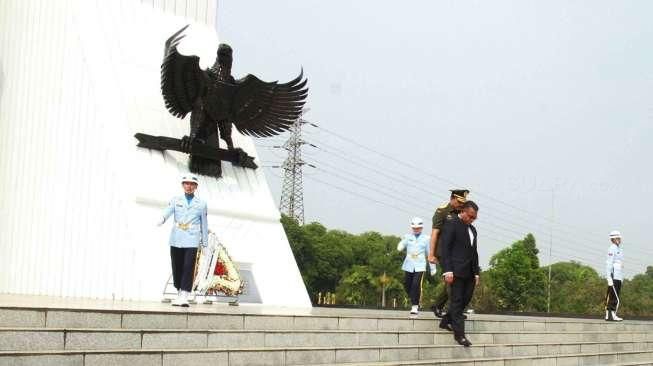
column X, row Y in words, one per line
column 460, row 267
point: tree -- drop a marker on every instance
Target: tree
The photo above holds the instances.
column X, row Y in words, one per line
column 357, row 286
column 576, row 289
column 358, row 267
column 327, row 257
column 333, row 257
column 302, row 249
column 637, row 295
column 516, row 279
column 485, row 298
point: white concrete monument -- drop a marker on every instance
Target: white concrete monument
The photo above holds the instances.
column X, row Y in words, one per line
column 79, row 202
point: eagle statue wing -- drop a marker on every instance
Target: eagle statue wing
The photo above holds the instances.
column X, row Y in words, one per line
column 182, row 79
column 264, row 109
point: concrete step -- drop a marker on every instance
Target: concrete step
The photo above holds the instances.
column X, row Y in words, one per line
column 338, row 319
column 60, row 331
column 35, row 339
column 634, row 358
column 425, row 354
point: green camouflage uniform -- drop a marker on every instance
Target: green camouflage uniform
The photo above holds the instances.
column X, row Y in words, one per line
column 442, row 213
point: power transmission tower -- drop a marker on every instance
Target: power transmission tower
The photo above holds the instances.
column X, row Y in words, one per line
column 292, row 190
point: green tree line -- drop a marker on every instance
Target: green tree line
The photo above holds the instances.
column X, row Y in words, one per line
column 365, row 269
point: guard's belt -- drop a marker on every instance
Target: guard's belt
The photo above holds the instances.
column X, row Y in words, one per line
column 183, row 226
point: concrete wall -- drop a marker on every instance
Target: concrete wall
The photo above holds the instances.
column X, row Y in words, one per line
column 78, row 200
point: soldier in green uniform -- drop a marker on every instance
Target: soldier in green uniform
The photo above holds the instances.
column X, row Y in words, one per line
column 446, row 211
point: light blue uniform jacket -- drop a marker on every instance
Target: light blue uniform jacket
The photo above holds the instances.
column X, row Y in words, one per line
column 614, row 264
column 417, row 251
column 190, row 228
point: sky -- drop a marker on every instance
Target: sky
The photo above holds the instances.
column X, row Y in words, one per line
column 543, row 109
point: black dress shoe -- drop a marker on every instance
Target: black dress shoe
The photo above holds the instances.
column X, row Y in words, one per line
column 438, row 312
column 446, row 326
column 463, row 341
column 464, row 316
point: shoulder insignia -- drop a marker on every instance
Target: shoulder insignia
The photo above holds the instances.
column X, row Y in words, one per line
column 444, row 205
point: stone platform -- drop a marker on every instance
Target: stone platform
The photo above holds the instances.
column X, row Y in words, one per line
column 56, row 331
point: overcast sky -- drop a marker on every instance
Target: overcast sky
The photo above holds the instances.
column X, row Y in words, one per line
column 517, row 101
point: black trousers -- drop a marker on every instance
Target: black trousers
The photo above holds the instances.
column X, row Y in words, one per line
column 413, row 286
column 612, row 296
column 183, row 267
column 462, row 290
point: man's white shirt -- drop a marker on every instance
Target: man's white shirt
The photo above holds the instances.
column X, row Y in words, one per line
column 471, row 236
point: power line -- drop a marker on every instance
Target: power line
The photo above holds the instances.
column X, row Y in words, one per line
column 407, row 211
column 403, row 163
column 357, row 162
column 445, row 180
column 361, row 180
column 359, row 195
column 494, row 226
column 501, row 218
column 508, row 240
column 578, row 241
column 399, row 175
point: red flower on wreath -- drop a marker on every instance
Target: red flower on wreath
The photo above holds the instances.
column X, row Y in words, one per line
column 220, row 269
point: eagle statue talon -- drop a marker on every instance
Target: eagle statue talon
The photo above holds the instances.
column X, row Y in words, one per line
column 244, row 159
column 187, row 143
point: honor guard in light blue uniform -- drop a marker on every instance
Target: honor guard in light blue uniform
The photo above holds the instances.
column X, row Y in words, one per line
column 189, row 231
column 414, row 266
column 614, row 265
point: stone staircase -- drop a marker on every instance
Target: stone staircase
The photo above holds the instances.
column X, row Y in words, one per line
column 158, row 334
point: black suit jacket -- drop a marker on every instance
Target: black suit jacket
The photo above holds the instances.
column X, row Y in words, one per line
column 459, row 255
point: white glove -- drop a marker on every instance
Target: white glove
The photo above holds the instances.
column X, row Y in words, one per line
column 610, row 283
column 161, row 221
column 401, row 246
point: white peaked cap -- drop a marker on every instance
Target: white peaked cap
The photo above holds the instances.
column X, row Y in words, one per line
column 190, row 178
column 416, row 222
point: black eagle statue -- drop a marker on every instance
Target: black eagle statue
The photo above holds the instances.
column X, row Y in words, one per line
column 215, row 100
